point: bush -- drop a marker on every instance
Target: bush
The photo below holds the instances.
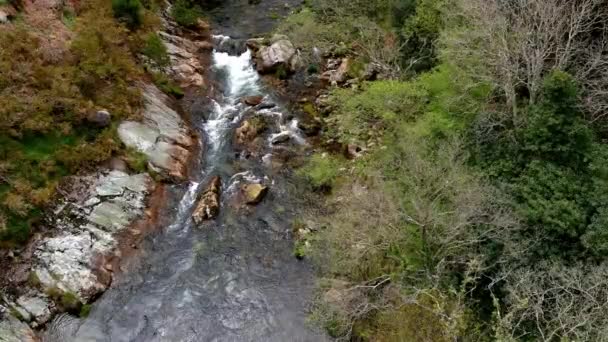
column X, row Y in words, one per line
column 156, row 50
column 185, row 13
column 136, row 160
column 377, row 107
column 322, row 171
column 167, row 85
column 128, row 11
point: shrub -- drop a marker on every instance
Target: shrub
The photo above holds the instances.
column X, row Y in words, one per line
column 377, row 107
column 321, row 170
column 129, row 11
column 156, row 50
column 185, row 13
column 136, row 160
column 167, row 85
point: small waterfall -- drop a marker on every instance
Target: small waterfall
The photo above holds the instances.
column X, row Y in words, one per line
column 234, row 281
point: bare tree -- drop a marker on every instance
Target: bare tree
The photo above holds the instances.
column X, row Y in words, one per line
column 514, row 44
column 556, row 302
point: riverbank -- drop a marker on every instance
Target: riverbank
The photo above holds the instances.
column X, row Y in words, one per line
column 98, row 219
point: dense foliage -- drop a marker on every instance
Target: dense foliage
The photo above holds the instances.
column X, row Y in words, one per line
column 478, row 211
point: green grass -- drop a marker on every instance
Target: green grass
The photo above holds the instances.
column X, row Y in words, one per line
column 68, row 18
column 39, row 148
column 274, row 15
column 167, row 86
column 85, row 310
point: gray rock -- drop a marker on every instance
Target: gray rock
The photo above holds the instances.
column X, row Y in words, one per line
column 116, row 182
column 185, row 66
column 67, row 261
column 208, row 206
column 3, row 17
column 337, row 74
column 118, row 164
column 37, row 307
column 280, row 138
column 281, row 53
column 13, row 330
column 111, row 216
column 66, row 264
column 163, row 136
column 101, row 118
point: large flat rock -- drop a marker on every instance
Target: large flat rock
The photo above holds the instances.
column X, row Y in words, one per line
column 66, row 262
column 162, row 136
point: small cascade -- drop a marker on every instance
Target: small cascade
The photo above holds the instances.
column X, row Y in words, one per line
column 234, row 280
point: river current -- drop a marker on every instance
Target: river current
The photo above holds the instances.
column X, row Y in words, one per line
column 234, row 279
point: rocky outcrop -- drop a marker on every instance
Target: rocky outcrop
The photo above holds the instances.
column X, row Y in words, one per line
column 13, row 330
column 254, row 193
column 337, row 72
column 99, row 207
column 67, row 268
column 208, row 206
column 185, row 67
column 280, row 54
column 162, row 136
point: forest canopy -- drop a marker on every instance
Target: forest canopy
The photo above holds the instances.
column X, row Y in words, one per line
column 478, row 211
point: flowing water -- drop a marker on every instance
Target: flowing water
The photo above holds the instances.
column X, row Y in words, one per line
column 232, row 280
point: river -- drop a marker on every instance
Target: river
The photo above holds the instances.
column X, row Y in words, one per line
column 234, row 279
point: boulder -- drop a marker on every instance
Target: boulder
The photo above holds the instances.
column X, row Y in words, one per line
column 118, row 164
column 101, row 118
column 249, row 130
column 37, row 307
column 208, row 206
column 231, row 46
column 281, row 54
column 337, row 75
column 255, row 44
column 254, row 193
column 265, row 105
column 253, row 100
column 280, row 138
column 3, row 17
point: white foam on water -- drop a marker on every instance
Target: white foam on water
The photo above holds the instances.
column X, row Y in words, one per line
column 242, row 78
column 184, row 206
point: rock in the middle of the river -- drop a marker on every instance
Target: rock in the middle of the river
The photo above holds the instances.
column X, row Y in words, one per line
column 208, row 206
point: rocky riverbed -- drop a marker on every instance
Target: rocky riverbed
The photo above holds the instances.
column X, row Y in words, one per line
column 213, row 241
column 99, row 217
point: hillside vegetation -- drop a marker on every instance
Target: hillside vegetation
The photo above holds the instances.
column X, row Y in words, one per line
column 478, row 211
column 62, row 63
